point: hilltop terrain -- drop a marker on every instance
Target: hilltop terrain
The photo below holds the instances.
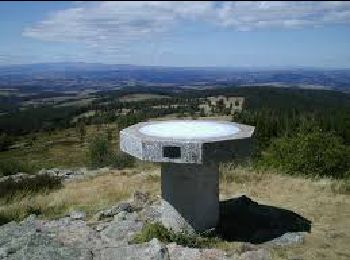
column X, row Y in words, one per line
column 288, row 201
column 89, row 220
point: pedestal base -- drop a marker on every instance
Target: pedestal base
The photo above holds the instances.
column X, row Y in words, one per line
column 193, row 191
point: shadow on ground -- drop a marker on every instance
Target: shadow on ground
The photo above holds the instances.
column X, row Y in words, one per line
column 242, row 219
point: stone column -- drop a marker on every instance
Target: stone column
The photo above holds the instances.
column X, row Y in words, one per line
column 193, row 191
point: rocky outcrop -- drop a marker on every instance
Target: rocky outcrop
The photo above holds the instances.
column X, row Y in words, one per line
column 68, row 174
column 110, row 236
column 64, row 174
column 74, row 239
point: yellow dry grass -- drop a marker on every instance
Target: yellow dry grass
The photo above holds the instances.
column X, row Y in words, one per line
column 89, row 195
column 315, row 200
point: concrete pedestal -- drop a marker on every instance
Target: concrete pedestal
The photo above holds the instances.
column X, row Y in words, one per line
column 193, row 190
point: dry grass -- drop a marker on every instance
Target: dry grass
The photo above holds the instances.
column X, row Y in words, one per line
column 141, row 97
column 316, row 200
column 61, row 148
column 323, row 201
column 89, row 195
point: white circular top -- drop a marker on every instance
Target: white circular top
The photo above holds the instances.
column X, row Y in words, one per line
column 189, row 129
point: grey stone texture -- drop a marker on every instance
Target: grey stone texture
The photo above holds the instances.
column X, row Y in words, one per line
column 195, row 150
column 190, row 172
column 68, row 238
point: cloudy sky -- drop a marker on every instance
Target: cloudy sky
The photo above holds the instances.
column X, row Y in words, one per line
column 238, row 34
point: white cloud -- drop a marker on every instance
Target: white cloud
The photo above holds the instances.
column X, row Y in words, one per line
column 113, row 26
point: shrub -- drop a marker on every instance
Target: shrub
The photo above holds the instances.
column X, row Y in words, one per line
column 314, row 153
column 341, row 186
column 101, row 154
column 36, row 183
column 100, row 151
column 5, row 141
column 157, row 230
column 12, row 166
column 122, row 160
column 17, row 214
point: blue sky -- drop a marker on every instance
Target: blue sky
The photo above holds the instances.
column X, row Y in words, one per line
column 237, row 34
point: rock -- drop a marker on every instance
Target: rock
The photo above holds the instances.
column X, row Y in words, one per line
column 104, row 169
column 152, row 213
column 288, row 239
column 184, row 253
column 125, row 206
column 158, row 250
column 141, row 199
column 73, row 238
column 3, row 252
column 16, row 177
column 260, row 254
column 100, row 227
column 171, row 218
column 77, row 215
column 21, row 241
column 123, row 230
column 109, row 213
column 121, row 216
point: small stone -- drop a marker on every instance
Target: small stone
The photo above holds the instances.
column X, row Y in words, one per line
column 120, row 216
column 77, row 215
column 3, row 252
column 157, row 250
column 100, row 227
column 125, row 206
column 288, row 239
column 141, row 198
column 260, row 254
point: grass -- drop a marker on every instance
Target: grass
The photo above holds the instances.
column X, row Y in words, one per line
column 61, row 148
column 141, row 97
column 90, row 195
column 38, row 183
column 157, row 230
column 322, row 201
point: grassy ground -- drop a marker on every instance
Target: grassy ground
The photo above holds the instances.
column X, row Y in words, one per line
column 325, row 202
column 90, row 195
column 320, row 201
column 61, row 148
column 141, row 97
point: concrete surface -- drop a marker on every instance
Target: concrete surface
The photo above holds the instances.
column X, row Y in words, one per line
column 193, row 190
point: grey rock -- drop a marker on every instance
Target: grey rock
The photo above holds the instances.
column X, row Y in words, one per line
column 22, row 241
column 152, row 213
column 288, row 239
column 141, row 199
column 158, row 250
column 122, row 231
column 184, row 253
column 121, row 216
column 172, row 219
column 108, row 213
column 77, row 215
column 260, row 254
column 3, row 252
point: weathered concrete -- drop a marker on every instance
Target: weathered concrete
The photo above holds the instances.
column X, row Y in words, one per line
column 193, row 190
column 190, row 151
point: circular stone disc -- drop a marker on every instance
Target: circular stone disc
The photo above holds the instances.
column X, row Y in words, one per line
column 189, row 129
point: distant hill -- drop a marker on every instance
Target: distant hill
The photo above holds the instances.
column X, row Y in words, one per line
column 87, row 74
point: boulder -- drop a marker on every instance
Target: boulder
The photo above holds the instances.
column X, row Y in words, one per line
column 77, row 215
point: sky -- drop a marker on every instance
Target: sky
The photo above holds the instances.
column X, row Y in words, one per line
column 223, row 34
